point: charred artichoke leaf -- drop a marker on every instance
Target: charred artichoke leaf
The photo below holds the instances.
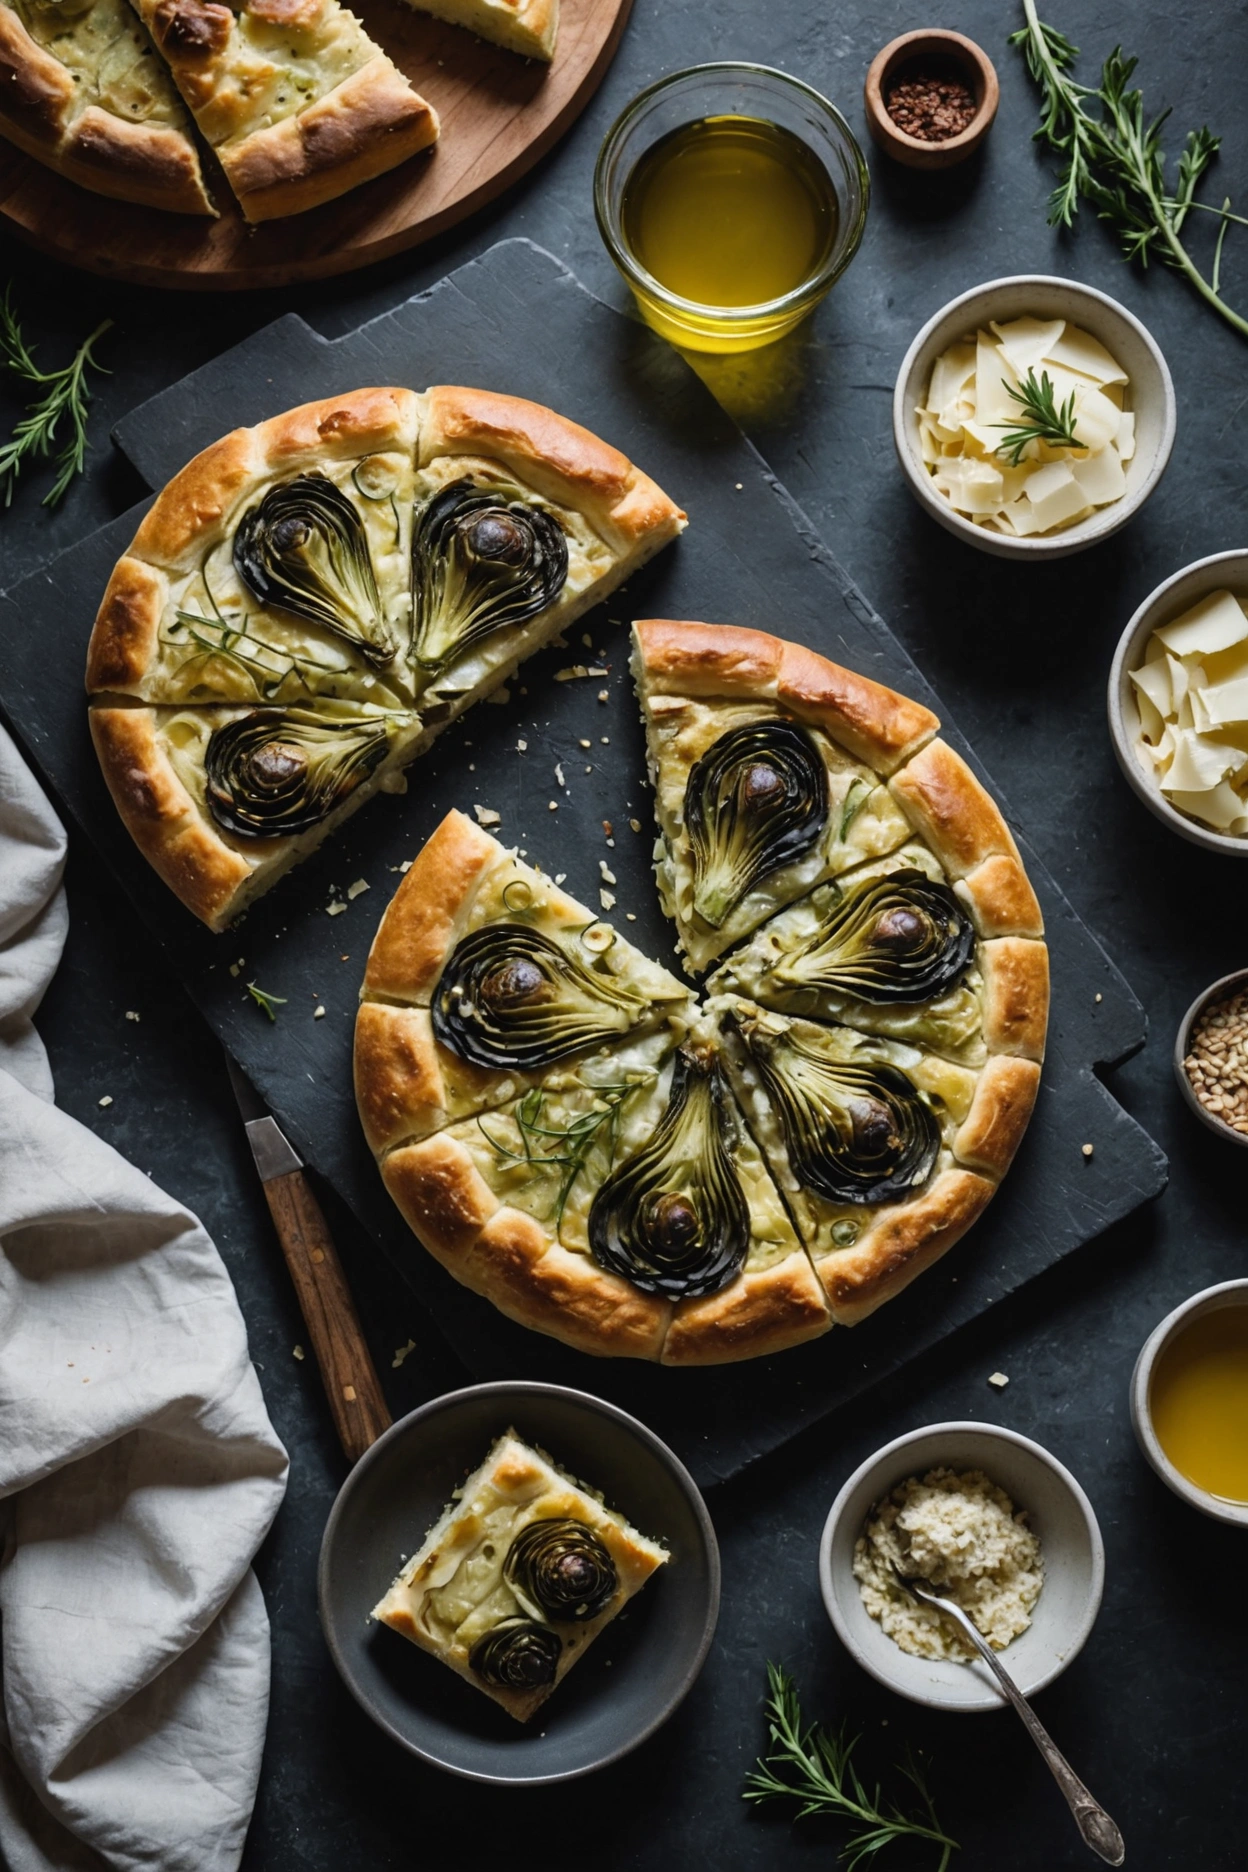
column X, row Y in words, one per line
column 274, row 773
column 516, row 1654
column 512, row 998
column 303, row 549
column 895, row 938
column 480, row 564
column 857, row 1131
column 560, row 1569
column 757, row 800
column 673, row 1219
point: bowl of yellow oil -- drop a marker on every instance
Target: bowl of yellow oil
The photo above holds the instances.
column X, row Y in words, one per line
column 731, row 197
column 1189, row 1401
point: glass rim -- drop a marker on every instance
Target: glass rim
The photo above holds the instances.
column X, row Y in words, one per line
column 740, row 316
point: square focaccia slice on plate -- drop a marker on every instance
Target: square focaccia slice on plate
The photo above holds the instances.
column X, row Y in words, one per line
column 528, row 27
column 524, row 521
column 769, row 765
column 885, row 1153
column 83, row 90
column 181, row 780
column 621, row 1206
column 296, row 100
column 484, row 977
column 519, row 1575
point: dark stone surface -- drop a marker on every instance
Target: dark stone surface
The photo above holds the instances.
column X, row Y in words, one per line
column 1151, row 1713
column 749, row 556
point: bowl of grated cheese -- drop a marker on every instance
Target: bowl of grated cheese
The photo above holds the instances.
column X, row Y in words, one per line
column 1000, row 1525
column 1178, row 703
column 1033, row 416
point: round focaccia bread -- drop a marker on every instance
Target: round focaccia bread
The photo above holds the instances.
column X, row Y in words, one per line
column 83, row 90
column 296, row 100
column 528, row 27
column 343, row 580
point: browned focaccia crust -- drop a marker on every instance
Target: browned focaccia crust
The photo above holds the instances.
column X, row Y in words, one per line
column 297, row 101
column 901, row 1243
column 163, row 579
column 72, row 98
column 875, row 724
column 528, row 27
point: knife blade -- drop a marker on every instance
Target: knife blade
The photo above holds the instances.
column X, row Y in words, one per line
column 352, row 1387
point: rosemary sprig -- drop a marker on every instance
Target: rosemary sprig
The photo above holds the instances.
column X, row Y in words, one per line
column 1112, row 158
column 565, row 1147
column 65, row 393
column 269, row 1002
column 813, row 1765
column 1039, row 420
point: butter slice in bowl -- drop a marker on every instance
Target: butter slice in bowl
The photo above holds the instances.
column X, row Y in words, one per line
column 1025, row 427
column 518, row 1576
column 1191, row 694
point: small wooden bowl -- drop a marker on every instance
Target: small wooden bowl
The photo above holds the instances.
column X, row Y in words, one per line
column 946, row 48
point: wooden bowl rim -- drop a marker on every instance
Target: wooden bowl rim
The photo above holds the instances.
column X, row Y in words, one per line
column 957, row 46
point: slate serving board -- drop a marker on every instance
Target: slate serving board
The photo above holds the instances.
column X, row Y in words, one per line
column 516, row 319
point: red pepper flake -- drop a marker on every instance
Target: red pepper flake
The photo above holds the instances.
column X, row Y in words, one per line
column 930, row 103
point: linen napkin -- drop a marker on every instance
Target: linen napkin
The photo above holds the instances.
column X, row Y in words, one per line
column 138, row 1468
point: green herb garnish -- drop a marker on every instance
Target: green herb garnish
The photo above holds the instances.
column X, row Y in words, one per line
column 64, row 393
column 269, row 1002
column 856, row 797
column 812, row 1765
column 1113, row 159
column 562, row 1147
column 1040, row 419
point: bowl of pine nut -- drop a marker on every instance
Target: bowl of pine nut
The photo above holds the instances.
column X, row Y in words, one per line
column 1211, row 1057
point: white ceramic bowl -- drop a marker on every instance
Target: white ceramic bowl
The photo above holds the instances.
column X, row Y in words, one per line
column 1150, row 394
column 1209, row 1300
column 1217, row 991
column 1058, row 1511
column 1170, row 600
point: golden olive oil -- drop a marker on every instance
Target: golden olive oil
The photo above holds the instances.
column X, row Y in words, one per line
column 729, row 212
column 1198, row 1398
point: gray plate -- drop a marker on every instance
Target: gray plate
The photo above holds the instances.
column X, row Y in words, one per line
column 634, row 1675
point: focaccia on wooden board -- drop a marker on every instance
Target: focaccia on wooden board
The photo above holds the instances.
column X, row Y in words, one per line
column 528, row 27
column 310, row 601
column 83, row 90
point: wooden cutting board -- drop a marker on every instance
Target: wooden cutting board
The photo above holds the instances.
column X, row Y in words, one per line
column 499, row 114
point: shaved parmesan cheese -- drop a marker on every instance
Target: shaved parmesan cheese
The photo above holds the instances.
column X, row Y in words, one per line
column 994, row 379
column 1100, row 477
column 1154, row 680
column 1124, row 441
column 1027, row 341
column 1055, row 495
column 975, row 486
column 1216, row 623
column 1178, row 684
column 1200, row 762
column 1152, row 721
column 1220, row 806
column 1079, row 351
column 1226, row 702
column 1096, row 418
column 950, row 373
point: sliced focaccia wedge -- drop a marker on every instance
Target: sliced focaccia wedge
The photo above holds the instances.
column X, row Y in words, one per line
column 517, row 1578
column 83, row 90
column 621, row 1206
column 296, row 100
column 889, row 948
column 528, row 27
column 485, row 977
column 885, row 1153
column 381, row 549
column 769, row 766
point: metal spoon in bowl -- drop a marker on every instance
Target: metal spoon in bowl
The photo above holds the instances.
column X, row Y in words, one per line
column 1098, row 1830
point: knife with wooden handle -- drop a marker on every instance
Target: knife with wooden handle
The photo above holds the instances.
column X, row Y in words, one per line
column 350, row 1378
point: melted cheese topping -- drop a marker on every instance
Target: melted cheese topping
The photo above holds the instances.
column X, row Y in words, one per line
column 974, row 400
column 1191, row 696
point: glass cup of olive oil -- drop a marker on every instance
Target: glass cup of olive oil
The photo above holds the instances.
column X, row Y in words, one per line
column 730, row 197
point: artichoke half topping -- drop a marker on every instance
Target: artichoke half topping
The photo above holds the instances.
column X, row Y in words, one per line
column 516, row 1654
column 303, row 549
column 277, row 772
column 673, row 1219
column 756, row 801
column 897, row 938
column 512, row 998
column 560, row 1569
column 480, row 564
column 857, row 1131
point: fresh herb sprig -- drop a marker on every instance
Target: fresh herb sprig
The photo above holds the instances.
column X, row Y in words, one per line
column 65, row 393
column 812, row 1765
column 1112, row 157
column 565, row 1148
column 269, row 1002
column 1040, row 418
